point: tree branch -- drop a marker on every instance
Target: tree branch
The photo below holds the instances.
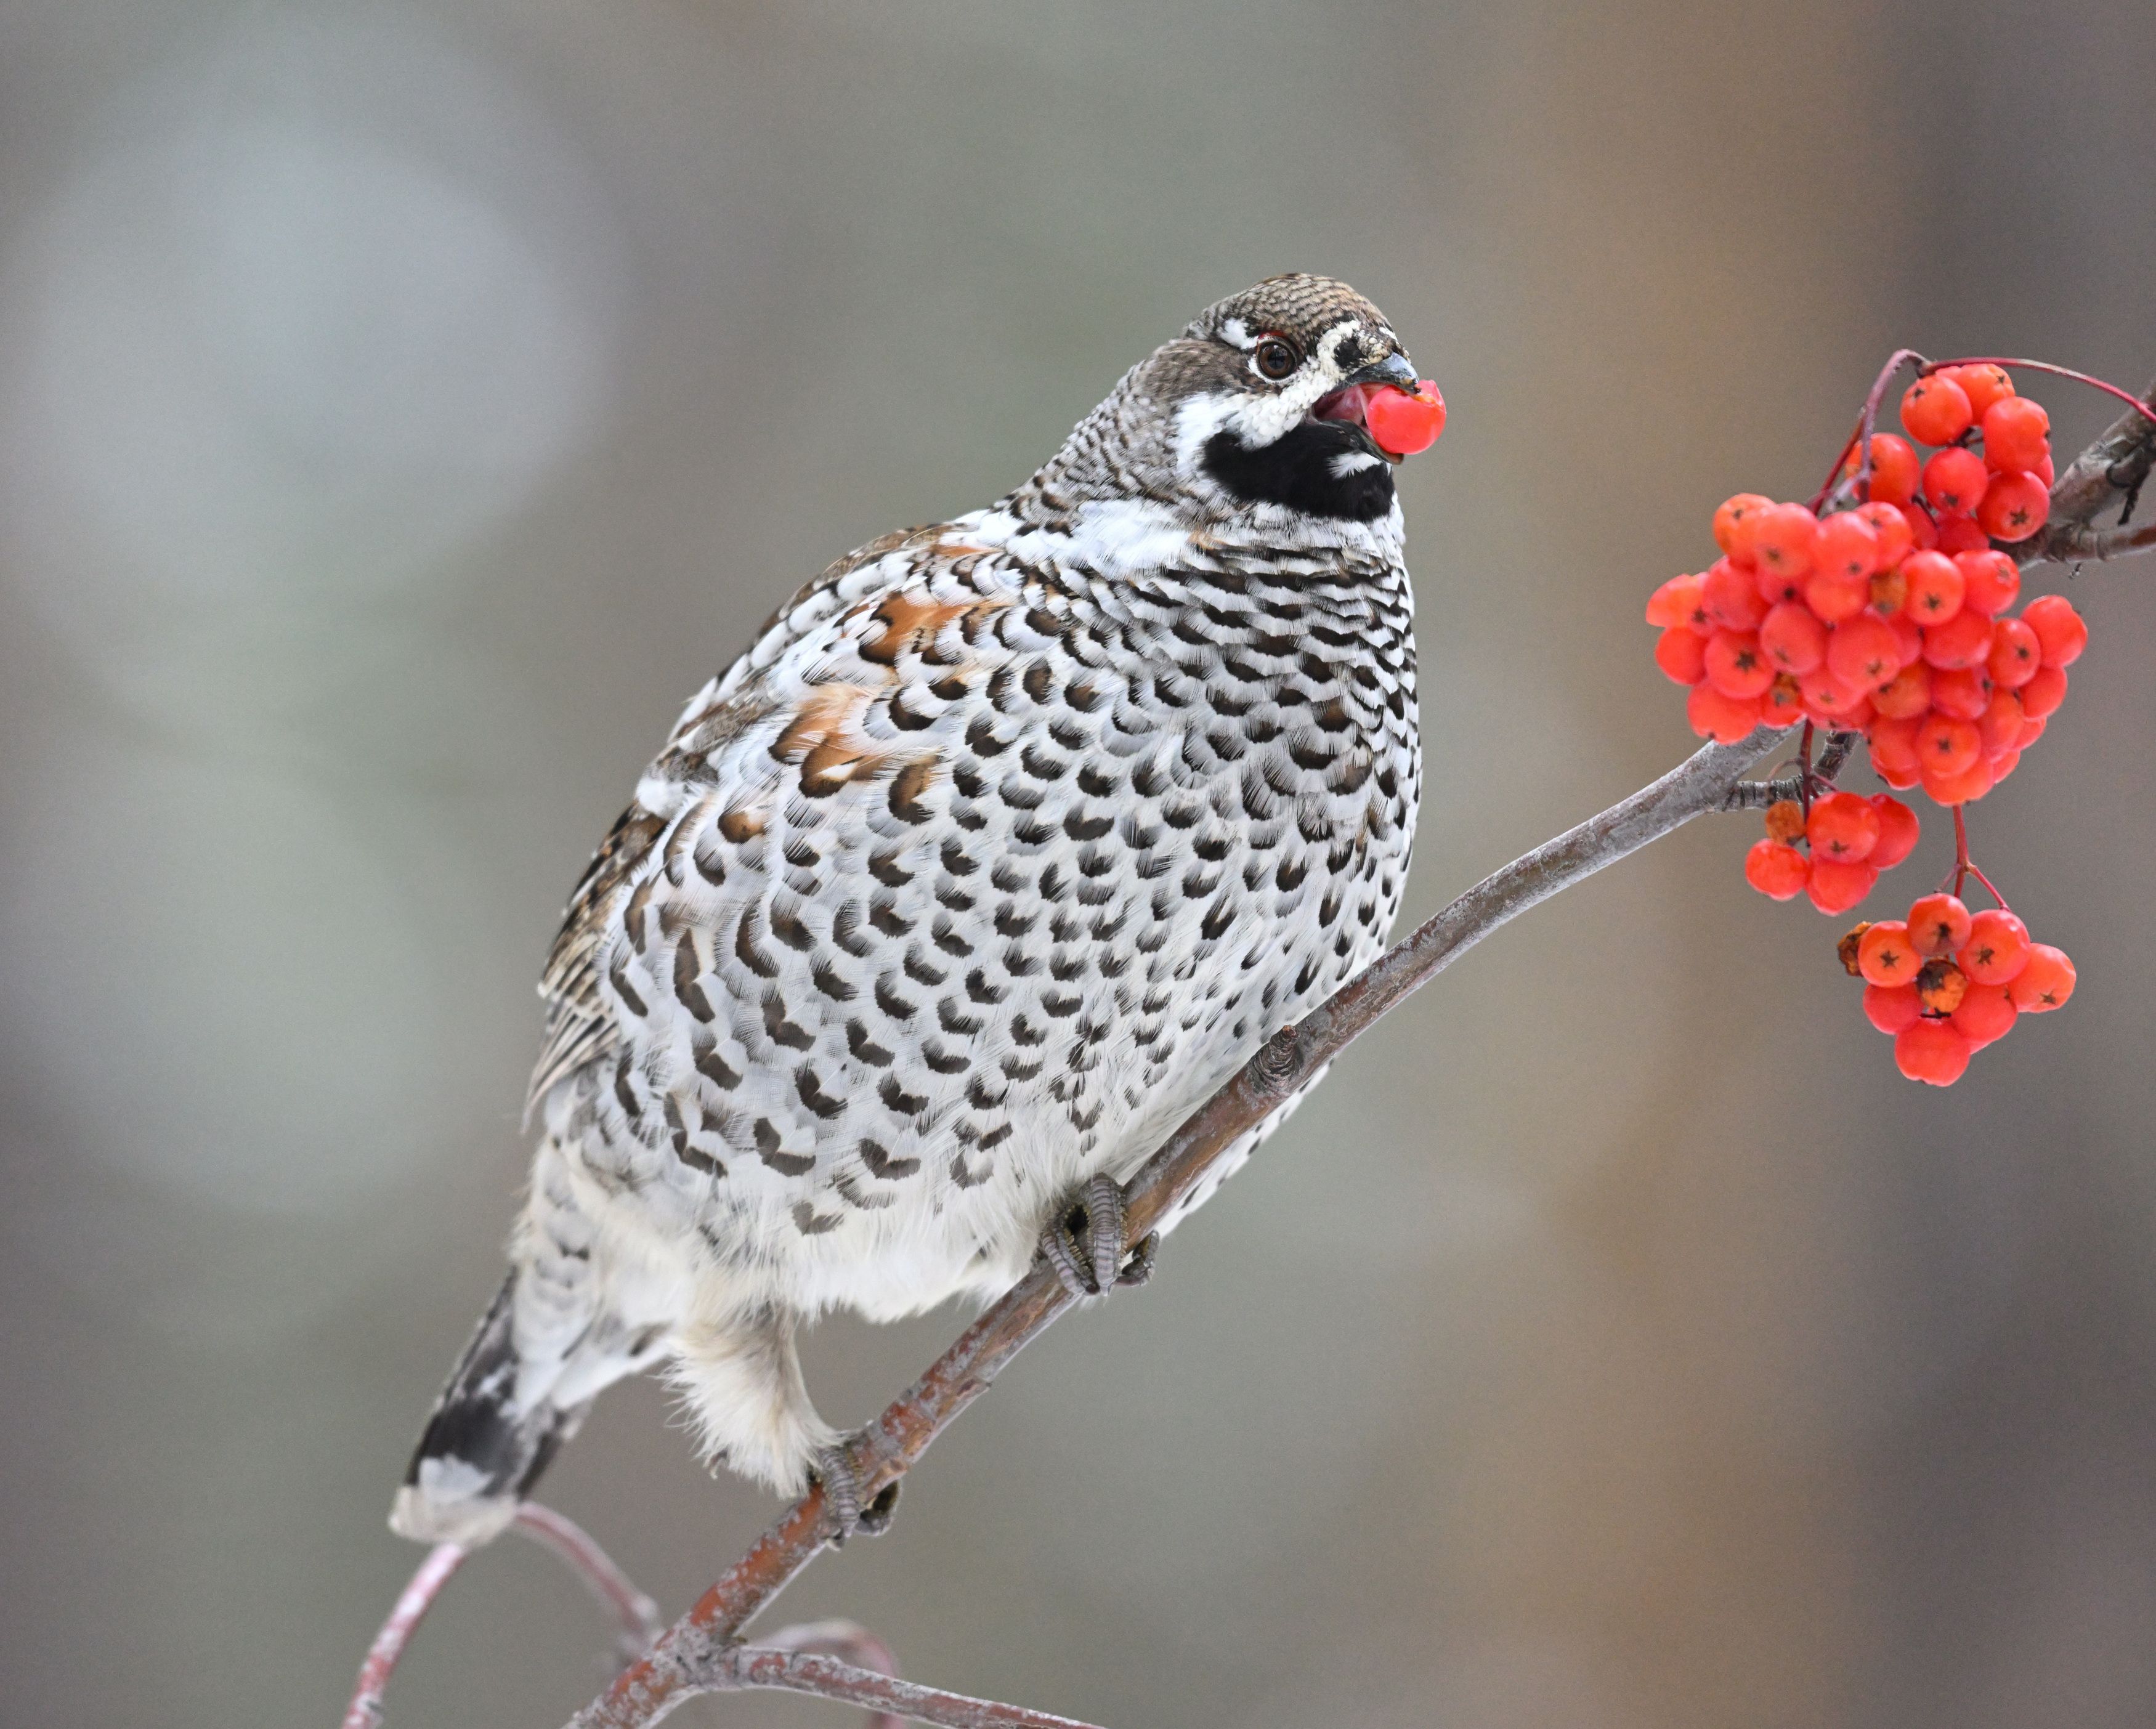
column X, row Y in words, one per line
column 736, row 1666
column 698, row 1652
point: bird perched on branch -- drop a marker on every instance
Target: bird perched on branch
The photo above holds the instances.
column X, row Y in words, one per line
column 1007, row 842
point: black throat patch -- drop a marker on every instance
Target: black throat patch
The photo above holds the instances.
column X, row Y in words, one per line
column 1296, row 470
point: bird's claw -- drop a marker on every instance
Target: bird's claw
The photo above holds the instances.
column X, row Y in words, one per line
column 842, row 1496
column 1087, row 1242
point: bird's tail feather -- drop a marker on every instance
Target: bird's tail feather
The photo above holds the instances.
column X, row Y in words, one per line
column 481, row 1452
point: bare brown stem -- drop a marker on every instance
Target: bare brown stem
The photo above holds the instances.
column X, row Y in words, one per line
column 412, row 1602
column 827, row 1677
column 846, row 1640
column 701, row 1652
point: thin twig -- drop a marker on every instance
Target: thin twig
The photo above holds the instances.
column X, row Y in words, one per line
column 828, row 1678
column 2077, row 542
column 848, row 1641
column 412, row 1602
column 636, row 1615
column 1711, row 780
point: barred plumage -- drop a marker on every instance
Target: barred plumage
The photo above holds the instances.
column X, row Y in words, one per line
column 1003, row 845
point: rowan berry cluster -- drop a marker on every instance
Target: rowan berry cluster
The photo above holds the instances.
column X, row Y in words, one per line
column 1944, row 983
column 1835, row 852
column 1889, row 618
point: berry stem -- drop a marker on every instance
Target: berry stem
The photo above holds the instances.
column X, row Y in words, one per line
column 1805, row 772
column 1964, row 867
column 1861, row 440
column 2131, row 400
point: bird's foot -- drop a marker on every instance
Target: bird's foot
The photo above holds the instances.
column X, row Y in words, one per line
column 1087, row 1242
column 842, row 1496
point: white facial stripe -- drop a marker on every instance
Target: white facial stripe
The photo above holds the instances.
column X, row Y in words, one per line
column 1241, row 335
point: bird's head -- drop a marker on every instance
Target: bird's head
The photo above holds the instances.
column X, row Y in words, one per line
column 1266, row 394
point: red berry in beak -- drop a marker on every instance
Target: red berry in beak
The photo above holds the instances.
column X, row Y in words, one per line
column 1403, row 424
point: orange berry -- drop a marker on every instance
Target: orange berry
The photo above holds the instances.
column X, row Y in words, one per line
column 2017, row 435
column 1786, row 540
column 2045, row 983
column 1906, row 696
column 1964, row 640
column 1938, row 924
column 1923, row 533
column 1991, row 581
column 1982, row 385
column 1893, row 740
column 2001, row 724
column 1885, row 955
column 1680, row 652
column 1835, row 887
column 2061, row 631
column 1890, row 593
column 1961, row 534
column 2031, row 731
column 1730, row 513
column 1963, row 692
column 1785, row 821
column 1863, row 651
column 2004, row 764
column 1778, row 871
column 1935, row 588
column 1889, row 527
column 1731, row 597
column 1843, row 827
column 1793, row 638
column 1997, row 949
column 1931, row 1051
column 1846, row 547
column 1677, row 602
column 1835, row 597
column 1946, row 746
column 1723, row 719
column 1895, row 469
column 2016, row 654
column 1955, row 479
column 1941, row 986
column 1891, row 1006
column 1783, row 702
column 2042, row 694
column 1985, row 1016
column 1735, row 666
column 2015, row 506
column 1898, row 832
column 1965, row 787
column 1936, row 410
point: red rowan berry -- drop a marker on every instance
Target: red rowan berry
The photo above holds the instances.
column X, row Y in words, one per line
column 1991, row 581
column 1964, row 788
column 1891, row 1006
column 1906, row 696
column 1723, row 719
column 1846, row 547
column 2061, row 631
column 1983, row 384
column 1843, row 827
column 1785, row 821
column 1908, row 638
column 2015, row 507
column 1775, row 588
column 2000, row 724
column 2015, row 654
column 1735, row 666
column 1731, row 597
column 1786, row 540
column 1963, row 692
column 1935, row 588
column 1923, row 533
column 1889, row 592
column 1678, row 602
column 1985, row 1016
column 2003, row 764
column 1955, row 479
column 1964, row 640
column 1946, row 746
column 1835, row 887
column 1835, row 597
column 1961, row 534
column 2031, row 730
column 1776, row 870
column 1863, row 651
column 1832, row 697
column 1680, row 652
column 1889, row 527
column 1893, row 740
column 2045, row 983
column 1404, row 423
column 1730, row 513
column 1783, row 702
column 1899, row 832
column 1936, row 410
column 1895, row 469
column 1938, row 924
column 2041, row 695
column 1931, row 1051
column 2017, row 435
column 1793, row 638
column 1884, row 955
column 1997, row 949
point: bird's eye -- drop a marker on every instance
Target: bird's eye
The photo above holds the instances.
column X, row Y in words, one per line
column 1276, row 358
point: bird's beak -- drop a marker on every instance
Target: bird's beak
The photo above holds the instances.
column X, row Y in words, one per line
column 1395, row 369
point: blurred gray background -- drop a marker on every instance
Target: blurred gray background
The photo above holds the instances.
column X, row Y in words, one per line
column 403, row 408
